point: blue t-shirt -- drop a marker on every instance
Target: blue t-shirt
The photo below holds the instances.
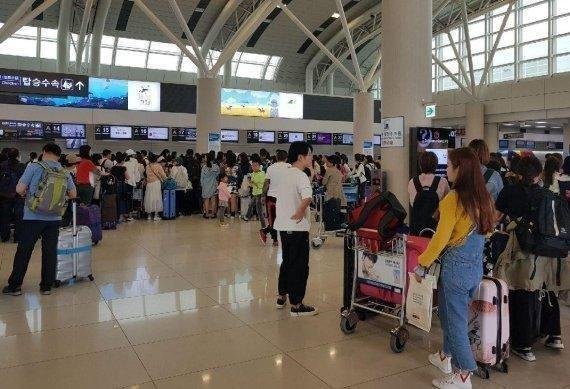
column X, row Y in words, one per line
column 31, row 178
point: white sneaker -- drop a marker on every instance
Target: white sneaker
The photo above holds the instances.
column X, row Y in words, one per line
column 442, row 364
column 453, row 381
column 554, row 342
column 157, row 218
column 149, row 217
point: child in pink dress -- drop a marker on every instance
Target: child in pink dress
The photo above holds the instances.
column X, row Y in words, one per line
column 224, row 195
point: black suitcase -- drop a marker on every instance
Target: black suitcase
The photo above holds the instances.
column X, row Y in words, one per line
column 331, row 215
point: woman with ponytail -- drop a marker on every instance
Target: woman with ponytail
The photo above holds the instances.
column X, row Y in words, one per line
column 466, row 216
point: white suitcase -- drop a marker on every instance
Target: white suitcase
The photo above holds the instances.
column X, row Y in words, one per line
column 74, row 252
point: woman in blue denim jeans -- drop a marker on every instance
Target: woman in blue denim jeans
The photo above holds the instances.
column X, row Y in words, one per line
column 466, row 216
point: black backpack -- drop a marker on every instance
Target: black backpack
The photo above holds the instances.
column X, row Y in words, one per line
column 545, row 230
column 367, row 173
column 488, row 174
column 425, row 205
column 10, row 174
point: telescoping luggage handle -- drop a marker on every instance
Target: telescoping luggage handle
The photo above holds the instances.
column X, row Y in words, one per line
column 74, row 216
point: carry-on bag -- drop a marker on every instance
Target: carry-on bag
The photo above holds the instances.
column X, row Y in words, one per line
column 169, row 204
column 91, row 217
column 489, row 333
column 74, row 252
column 332, row 217
column 382, row 212
column 109, row 215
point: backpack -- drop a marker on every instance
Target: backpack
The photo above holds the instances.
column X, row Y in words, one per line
column 545, row 230
column 49, row 198
column 488, row 174
column 382, row 212
column 108, row 184
column 9, row 176
column 425, row 205
column 368, row 173
column 565, row 190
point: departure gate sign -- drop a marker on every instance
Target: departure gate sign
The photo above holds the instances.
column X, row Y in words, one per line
column 42, row 83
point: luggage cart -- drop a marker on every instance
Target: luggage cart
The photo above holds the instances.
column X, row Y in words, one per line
column 392, row 279
column 318, row 201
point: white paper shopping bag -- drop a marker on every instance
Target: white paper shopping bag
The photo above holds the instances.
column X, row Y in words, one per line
column 419, row 301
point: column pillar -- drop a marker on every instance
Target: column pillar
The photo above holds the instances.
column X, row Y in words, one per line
column 330, row 84
column 406, row 79
column 566, row 139
column 363, row 121
column 474, row 120
column 208, row 111
column 65, row 8
column 227, row 74
column 491, row 136
column 97, row 35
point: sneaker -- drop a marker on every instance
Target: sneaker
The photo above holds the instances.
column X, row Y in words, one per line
column 281, row 302
column 157, row 218
column 453, row 381
column 149, row 217
column 443, row 364
column 46, row 291
column 129, row 219
column 304, row 310
column 263, row 236
column 524, row 353
column 245, row 219
column 554, row 342
column 224, row 225
column 17, row 291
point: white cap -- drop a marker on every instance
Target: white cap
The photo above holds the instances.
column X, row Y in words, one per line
column 130, row 152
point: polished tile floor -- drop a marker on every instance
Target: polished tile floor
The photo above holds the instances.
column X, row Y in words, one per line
column 184, row 304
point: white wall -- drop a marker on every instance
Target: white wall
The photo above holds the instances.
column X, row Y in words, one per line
column 98, row 116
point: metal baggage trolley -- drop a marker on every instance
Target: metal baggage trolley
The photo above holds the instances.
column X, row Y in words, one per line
column 322, row 234
column 389, row 274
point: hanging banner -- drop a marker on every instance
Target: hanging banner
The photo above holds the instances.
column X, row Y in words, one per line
column 392, row 132
column 368, row 148
column 214, row 142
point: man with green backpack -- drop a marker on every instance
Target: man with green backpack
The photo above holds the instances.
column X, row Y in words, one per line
column 46, row 186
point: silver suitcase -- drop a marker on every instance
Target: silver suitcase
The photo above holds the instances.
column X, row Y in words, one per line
column 74, row 252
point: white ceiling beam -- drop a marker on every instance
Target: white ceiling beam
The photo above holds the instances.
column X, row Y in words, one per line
column 319, row 44
column 244, row 32
column 221, row 20
column 162, row 27
column 25, row 19
column 350, row 42
column 16, row 15
column 202, row 65
column 82, row 31
column 465, row 18
column 370, row 79
column 441, row 7
column 496, row 44
column 457, row 57
column 452, row 76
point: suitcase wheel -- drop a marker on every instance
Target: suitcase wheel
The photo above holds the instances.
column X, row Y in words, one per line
column 398, row 339
column 483, row 372
column 348, row 321
column 91, row 278
column 57, row 283
column 317, row 243
column 503, row 367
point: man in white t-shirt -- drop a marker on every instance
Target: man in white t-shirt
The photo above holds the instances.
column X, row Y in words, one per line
column 294, row 195
column 273, row 178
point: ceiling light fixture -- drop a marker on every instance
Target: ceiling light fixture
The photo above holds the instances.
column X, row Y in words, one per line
column 336, row 15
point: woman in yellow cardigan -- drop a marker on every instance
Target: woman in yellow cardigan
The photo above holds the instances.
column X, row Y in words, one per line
column 466, row 216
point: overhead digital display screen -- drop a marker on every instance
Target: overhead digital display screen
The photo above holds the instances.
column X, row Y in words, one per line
column 121, row 132
column 53, row 84
column 229, row 136
column 64, row 130
column 144, row 96
column 22, row 129
column 377, row 140
column 319, row 138
column 73, row 144
column 255, row 136
column 520, row 144
column 102, row 132
column 180, row 134
column 241, row 102
column 340, row 139
column 290, row 137
column 150, row 133
column 503, row 144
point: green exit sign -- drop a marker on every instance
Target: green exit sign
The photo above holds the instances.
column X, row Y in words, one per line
column 431, row 111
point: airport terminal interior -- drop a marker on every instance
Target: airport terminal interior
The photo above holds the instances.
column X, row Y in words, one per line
column 167, row 283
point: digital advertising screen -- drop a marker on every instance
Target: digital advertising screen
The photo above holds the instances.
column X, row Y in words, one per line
column 73, row 144
column 144, row 96
column 340, row 139
column 229, row 136
column 290, row 137
column 241, row 102
column 72, row 130
column 104, row 93
column 436, row 140
column 180, row 134
column 319, row 138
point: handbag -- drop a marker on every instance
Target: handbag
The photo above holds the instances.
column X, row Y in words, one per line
column 419, row 302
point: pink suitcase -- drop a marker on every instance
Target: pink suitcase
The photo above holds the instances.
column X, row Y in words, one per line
column 489, row 325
